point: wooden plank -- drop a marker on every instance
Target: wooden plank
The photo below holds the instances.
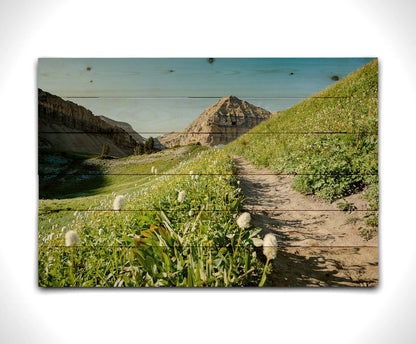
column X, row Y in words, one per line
column 197, row 219
column 326, row 267
column 193, row 77
column 295, row 266
column 153, row 117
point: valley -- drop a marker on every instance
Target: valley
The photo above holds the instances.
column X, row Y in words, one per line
column 307, row 175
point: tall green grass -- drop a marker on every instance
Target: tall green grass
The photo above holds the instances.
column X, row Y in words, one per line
column 157, row 240
column 329, row 140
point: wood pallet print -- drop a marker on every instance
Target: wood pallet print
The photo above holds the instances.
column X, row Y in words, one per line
column 208, row 172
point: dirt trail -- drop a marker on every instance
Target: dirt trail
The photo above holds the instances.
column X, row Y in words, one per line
column 306, row 227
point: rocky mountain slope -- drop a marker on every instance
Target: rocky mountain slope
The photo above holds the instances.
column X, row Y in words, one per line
column 126, row 127
column 220, row 123
column 64, row 125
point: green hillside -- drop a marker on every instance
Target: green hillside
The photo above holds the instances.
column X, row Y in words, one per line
column 178, row 226
column 329, row 140
column 179, row 229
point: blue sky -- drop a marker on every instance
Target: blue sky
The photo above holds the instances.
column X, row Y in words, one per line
column 162, row 95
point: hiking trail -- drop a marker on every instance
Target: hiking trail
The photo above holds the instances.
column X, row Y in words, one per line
column 319, row 245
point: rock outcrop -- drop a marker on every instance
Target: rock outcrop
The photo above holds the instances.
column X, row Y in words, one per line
column 219, row 124
column 126, row 127
column 67, row 126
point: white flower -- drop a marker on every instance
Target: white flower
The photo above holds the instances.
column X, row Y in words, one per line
column 76, row 213
column 270, row 246
column 100, row 232
column 220, row 178
column 181, row 196
column 71, row 238
column 63, row 230
column 257, row 242
column 153, row 169
column 191, row 212
column 118, row 203
column 196, row 176
column 244, row 220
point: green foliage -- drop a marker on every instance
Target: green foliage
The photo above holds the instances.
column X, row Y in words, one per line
column 63, row 173
column 97, row 177
column 372, row 196
column 346, row 206
column 372, row 221
column 149, row 145
column 328, row 165
column 191, row 243
column 139, row 150
column 367, row 233
column 105, row 151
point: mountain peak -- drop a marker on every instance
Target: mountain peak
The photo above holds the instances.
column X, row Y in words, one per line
column 220, row 123
column 230, row 99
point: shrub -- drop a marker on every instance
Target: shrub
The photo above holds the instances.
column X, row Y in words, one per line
column 105, row 151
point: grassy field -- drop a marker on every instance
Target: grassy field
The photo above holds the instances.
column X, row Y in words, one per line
column 159, row 239
column 182, row 229
column 330, row 141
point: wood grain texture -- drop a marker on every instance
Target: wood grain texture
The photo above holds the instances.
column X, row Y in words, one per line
column 289, row 196
column 193, row 77
column 152, row 117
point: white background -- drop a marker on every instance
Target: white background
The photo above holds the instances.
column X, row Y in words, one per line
column 32, row 29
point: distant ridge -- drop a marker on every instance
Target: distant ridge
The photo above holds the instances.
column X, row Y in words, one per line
column 126, row 127
column 219, row 124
